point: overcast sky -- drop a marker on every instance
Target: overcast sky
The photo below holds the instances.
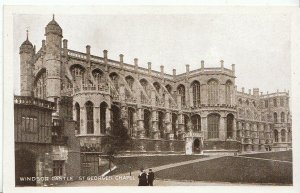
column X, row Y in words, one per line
column 259, row 45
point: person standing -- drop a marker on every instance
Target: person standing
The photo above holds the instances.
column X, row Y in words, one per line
column 150, row 177
column 142, row 178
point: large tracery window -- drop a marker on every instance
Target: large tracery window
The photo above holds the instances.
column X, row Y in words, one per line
column 283, row 135
column 174, row 125
column 228, row 88
column 131, row 112
column 147, row 122
column 276, row 135
column 230, row 120
column 98, row 76
column 77, row 72
column 89, row 117
column 169, row 88
column 181, row 92
column 115, row 79
column 40, row 85
column 196, row 94
column 103, row 109
column 156, row 86
column 77, row 109
column 186, row 122
column 213, row 126
column 213, row 92
column 144, row 84
column 161, row 124
column 130, row 81
column 196, row 122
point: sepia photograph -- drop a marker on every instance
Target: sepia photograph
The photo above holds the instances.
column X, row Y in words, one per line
column 152, row 98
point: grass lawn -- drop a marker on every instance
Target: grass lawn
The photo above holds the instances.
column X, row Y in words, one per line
column 124, row 163
column 232, row 169
column 283, row 155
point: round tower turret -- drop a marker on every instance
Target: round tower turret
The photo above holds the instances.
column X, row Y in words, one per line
column 53, row 28
column 26, row 67
column 53, row 33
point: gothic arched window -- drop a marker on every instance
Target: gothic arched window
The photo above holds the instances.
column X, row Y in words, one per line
column 275, row 117
column 196, row 93
column 77, row 72
column 276, row 135
column 283, row 135
column 40, row 85
column 169, row 88
column 89, row 117
column 213, row 92
column 196, row 122
column 103, row 109
column 115, row 79
column 130, row 81
column 144, row 84
column 282, row 117
column 213, row 122
column 230, row 120
column 181, row 92
column 98, row 76
column 130, row 119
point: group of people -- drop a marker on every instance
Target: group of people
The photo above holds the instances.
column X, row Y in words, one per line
column 146, row 179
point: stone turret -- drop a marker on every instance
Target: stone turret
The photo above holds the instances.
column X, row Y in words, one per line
column 26, row 65
column 53, row 33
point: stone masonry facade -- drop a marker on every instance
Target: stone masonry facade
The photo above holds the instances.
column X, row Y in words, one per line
column 198, row 111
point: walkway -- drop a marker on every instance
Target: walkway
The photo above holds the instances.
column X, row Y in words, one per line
column 126, row 180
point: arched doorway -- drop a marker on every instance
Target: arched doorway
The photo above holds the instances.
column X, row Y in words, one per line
column 25, row 165
column 196, row 146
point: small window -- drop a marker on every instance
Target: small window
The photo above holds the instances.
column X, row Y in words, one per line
column 29, row 124
column 281, row 102
column 266, row 103
column 58, row 167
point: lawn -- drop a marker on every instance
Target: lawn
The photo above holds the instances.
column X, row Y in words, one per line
column 124, row 163
column 234, row 170
column 283, row 155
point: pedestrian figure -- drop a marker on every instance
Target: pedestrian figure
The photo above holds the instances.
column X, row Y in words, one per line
column 143, row 178
column 150, row 177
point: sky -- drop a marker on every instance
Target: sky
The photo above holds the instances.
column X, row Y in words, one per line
column 259, row 45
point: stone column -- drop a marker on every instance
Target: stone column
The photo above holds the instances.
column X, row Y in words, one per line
column 221, row 94
column 204, row 94
column 96, row 120
column 234, row 130
column 191, row 96
column 204, row 127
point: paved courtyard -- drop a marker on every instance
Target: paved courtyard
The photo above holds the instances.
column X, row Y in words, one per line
column 251, row 169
